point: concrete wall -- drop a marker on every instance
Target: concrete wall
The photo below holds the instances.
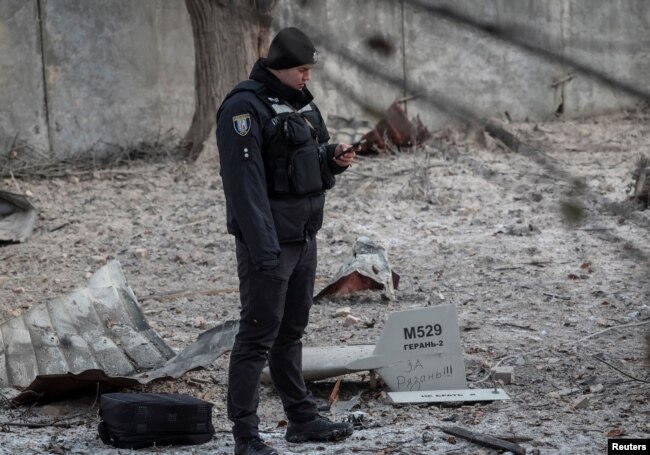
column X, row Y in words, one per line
column 22, row 99
column 619, row 33
column 85, row 76
column 469, row 68
column 112, row 73
column 123, row 76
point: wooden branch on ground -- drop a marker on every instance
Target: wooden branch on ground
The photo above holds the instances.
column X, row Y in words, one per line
column 647, row 321
column 59, row 423
column 516, row 326
column 42, row 425
column 514, row 438
column 484, row 440
column 596, row 356
column 334, row 396
column 563, row 344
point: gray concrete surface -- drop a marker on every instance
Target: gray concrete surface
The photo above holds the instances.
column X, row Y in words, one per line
column 118, row 73
column 22, row 99
column 124, row 76
column 113, row 74
column 614, row 36
column 473, row 70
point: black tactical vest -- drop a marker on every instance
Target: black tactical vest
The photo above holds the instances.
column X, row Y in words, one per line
column 294, row 160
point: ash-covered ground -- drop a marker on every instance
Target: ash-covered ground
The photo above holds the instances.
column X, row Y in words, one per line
column 540, row 250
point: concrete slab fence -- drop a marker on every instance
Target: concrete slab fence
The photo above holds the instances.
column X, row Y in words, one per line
column 85, row 76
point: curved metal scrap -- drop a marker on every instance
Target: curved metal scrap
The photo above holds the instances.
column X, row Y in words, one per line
column 397, row 128
column 209, row 346
column 94, row 340
column 367, row 268
column 17, row 217
column 100, row 327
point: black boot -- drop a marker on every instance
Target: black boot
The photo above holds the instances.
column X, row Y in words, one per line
column 319, row 429
column 253, row 446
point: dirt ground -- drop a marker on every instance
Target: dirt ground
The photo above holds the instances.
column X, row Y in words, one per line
column 544, row 258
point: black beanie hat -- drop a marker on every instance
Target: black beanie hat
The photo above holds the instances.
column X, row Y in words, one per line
column 290, row 48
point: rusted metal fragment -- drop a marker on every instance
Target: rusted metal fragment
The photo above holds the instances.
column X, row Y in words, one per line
column 396, row 128
column 17, row 217
column 100, row 327
column 367, row 268
column 52, row 387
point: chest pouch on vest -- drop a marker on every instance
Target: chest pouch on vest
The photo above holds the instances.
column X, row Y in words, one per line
column 304, row 163
column 295, row 130
column 304, row 170
column 294, row 157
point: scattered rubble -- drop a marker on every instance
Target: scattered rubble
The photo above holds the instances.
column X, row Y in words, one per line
column 395, row 130
column 509, row 289
column 581, row 402
column 504, row 374
column 17, row 217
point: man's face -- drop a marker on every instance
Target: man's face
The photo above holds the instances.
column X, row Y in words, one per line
column 295, row 77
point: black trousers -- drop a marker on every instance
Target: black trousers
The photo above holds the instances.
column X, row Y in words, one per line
column 275, row 308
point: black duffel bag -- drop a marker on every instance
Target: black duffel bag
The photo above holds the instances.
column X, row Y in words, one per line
column 137, row 420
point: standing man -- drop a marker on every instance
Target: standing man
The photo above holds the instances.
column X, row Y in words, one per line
column 276, row 164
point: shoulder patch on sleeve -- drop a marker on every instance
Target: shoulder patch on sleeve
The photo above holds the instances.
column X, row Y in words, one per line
column 242, row 124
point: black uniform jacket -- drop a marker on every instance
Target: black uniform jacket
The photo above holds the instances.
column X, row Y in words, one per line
column 260, row 220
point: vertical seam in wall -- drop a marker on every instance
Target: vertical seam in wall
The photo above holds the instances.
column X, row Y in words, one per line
column 565, row 17
column 404, row 79
column 43, row 72
column 158, row 21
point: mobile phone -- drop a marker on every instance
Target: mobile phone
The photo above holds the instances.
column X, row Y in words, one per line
column 353, row 148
